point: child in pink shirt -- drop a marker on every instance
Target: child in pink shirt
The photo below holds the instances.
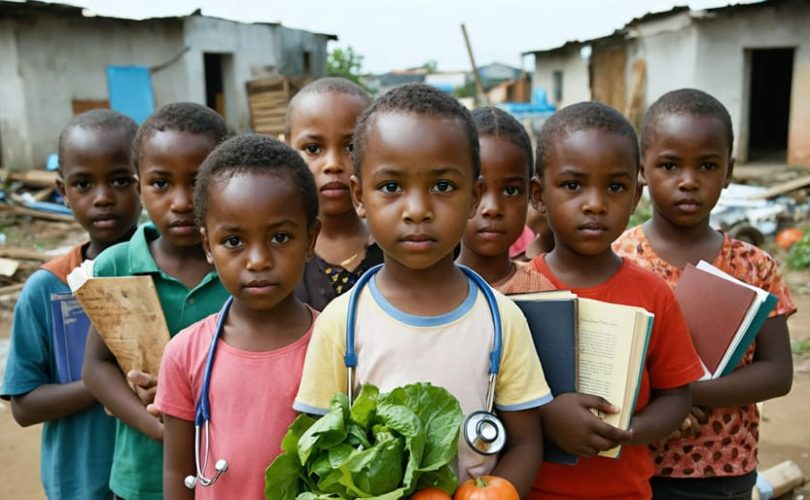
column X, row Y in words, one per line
column 257, row 206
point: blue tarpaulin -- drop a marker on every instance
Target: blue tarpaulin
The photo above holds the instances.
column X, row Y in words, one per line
column 130, row 89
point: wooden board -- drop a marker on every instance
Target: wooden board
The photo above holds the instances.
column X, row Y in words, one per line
column 608, row 79
column 34, row 178
column 268, row 99
column 783, row 188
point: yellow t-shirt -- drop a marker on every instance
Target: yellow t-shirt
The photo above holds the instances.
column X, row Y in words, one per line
column 451, row 351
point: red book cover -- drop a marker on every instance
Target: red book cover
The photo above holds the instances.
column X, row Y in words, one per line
column 714, row 309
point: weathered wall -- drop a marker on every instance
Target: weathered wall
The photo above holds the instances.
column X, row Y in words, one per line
column 576, row 83
column 13, row 120
column 722, row 70
column 64, row 58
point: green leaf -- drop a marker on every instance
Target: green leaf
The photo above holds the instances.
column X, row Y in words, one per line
column 374, row 471
column 364, row 406
column 443, row 478
column 327, row 431
column 282, row 478
column 290, row 442
column 441, row 417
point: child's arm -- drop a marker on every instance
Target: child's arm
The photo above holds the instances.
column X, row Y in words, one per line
column 665, row 413
column 104, row 380
column 769, row 376
column 521, row 457
column 571, row 424
column 50, row 402
column 178, row 457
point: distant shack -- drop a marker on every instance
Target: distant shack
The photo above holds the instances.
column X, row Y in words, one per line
column 54, row 59
column 754, row 57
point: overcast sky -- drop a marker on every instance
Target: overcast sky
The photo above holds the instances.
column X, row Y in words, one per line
column 394, row 34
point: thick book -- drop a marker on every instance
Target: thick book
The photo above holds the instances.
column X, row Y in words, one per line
column 723, row 314
column 127, row 314
column 552, row 319
column 611, row 343
column 70, row 326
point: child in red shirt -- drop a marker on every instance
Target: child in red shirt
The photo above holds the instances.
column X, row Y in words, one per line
column 686, row 143
column 587, row 166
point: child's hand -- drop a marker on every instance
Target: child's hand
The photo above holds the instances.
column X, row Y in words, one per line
column 144, row 384
column 690, row 428
column 574, row 427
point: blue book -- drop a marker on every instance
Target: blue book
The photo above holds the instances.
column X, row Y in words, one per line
column 552, row 319
column 70, row 327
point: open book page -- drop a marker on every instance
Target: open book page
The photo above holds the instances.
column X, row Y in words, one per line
column 127, row 314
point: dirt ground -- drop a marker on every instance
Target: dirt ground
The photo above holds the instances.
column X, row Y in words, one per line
column 785, row 432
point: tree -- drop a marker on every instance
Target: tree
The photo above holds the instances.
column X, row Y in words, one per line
column 345, row 63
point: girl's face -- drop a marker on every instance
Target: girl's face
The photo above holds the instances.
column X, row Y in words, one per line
column 169, row 164
column 686, row 166
column 321, row 131
column 501, row 214
column 257, row 236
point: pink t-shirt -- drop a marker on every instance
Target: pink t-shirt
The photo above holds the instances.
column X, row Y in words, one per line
column 251, row 396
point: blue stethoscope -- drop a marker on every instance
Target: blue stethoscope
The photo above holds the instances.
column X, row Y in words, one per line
column 202, row 416
column 483, row 431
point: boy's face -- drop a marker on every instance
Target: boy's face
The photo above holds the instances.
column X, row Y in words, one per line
column 416, row 188
column 169, row 164
column 501, row 214
column 322, row 127
column 686, row 166
column 256, row 235
column 99, row 183
column 588, row 190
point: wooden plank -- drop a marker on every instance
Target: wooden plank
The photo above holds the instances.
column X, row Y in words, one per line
column 783, row 188
column 10, row 289
column 37, row 214
column 35, row 178
column 13, row 253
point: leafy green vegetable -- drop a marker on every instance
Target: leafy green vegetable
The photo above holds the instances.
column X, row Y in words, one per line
column 384, row 447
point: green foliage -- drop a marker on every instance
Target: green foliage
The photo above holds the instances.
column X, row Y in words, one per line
column 642, row 214
column 801, row 346
column 799, row 254
column 386, row 446
column 345, row 63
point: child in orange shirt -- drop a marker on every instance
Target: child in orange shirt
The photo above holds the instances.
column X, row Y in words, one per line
column 320, row 123
column 586, row 176
column 506, row 169
column 686, row 145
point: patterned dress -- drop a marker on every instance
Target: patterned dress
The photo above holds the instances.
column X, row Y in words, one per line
column 727, row 444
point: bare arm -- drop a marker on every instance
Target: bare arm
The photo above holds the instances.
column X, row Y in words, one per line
column 666, row 411
column 769, row 376
column 571, row 424
column 104, row 380
column 520, row 459
column 50, row 402
column 178, row 458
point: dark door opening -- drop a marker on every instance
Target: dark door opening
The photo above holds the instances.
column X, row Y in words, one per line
column 771, row 76
column 214, row 91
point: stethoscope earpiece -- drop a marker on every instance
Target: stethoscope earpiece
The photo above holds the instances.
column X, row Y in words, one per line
column 484, row 433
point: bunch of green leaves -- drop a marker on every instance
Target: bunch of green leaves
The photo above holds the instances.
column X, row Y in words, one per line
column 799, row 254
column 385, row 447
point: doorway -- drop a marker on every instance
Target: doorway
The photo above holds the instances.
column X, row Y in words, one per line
column 214, row 88
column 769, row 104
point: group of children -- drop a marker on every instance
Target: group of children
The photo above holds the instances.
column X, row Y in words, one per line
column 254, row 243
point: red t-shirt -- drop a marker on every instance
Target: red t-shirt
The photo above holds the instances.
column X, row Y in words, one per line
column 671, row 362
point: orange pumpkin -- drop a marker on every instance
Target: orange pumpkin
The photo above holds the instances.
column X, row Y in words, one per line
column 486, row 488
column 786, row 238
column 431, row 494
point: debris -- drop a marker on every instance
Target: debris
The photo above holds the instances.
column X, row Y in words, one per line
column 783, row 188
column 8, row 266
column 55, row 217
column 33, row 178
column 780, row 479
column 11, row 253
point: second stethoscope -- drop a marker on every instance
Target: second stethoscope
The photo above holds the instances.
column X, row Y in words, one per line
column 482, row 430
column 202, row 416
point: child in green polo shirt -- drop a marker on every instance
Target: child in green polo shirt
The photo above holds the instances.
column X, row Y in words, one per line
column 168, row 150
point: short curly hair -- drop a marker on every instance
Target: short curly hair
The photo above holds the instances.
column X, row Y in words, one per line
column 421, row 99
column 327, row 85
column 180, row 117
column 98, row 119
column 497, row 122
column 254, row 154
column 583, row 116
column 692, row 102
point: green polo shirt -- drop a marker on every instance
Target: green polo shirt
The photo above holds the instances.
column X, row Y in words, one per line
column 137, row 470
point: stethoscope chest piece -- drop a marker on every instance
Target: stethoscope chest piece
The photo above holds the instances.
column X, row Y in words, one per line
column 484, row 432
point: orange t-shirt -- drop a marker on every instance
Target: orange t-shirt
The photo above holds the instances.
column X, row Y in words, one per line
column 727, row 444
column 526, row 279
column 671, row 362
